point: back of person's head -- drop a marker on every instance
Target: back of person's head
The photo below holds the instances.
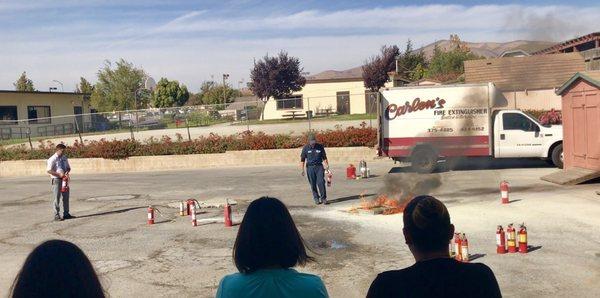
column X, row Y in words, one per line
column 427, row 224
column 268, row 238
column 57, row 268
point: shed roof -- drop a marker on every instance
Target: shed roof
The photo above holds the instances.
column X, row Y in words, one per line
column 592, row 77
column 521, row 73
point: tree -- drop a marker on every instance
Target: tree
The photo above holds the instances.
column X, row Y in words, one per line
column 169, row 93
column 24, row 83
column 276, row 77
column 375, row 70
column 411, row 63
column 117, row 86
column 218, row 94
column 448, row 65
column 84, row 86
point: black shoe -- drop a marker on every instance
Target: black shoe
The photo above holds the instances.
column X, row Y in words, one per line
column 68, row 216
column 326, row 202
column 57, row 218
column 318, row 203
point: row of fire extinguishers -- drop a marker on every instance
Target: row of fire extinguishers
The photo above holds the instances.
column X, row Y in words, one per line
column 511, row 241
column 459, row 247
column 363, row 171
column 189, row 207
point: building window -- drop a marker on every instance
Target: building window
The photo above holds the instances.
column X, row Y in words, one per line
column 36, row 112
column 292, row 102
column 8, row 115
column 343, row 102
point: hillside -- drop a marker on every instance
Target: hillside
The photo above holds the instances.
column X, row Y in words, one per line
column 485, row 49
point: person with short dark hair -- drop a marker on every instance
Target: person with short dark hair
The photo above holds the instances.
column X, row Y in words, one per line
column 57, row 268
column 312, row 158
column 58, row 167
column 267, row 247
column 428, row 232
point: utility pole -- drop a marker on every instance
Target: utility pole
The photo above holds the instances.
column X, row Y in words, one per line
column 225, row 77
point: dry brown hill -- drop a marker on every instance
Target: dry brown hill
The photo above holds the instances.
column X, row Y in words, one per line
column 485, row 49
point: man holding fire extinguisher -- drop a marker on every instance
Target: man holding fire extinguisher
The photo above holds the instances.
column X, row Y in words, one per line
column 311, row 159
column 58, row 167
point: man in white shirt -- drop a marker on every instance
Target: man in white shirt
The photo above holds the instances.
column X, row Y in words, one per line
column 58, row 166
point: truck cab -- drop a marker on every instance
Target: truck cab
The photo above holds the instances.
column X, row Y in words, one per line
column 519, row 135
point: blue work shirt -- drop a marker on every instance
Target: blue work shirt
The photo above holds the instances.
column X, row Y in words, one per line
column 313, row 155
column 284, row 283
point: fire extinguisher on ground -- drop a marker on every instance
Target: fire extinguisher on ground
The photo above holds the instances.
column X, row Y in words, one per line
column 500, row 241
column 511, row 239
column 227, row 214
column 504, row 189
column 457, row 247
column 464, row 248
column 150, row 215
column 523, row 239
column 351, row 172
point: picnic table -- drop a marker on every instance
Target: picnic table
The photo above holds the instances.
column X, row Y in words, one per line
column 294, row 114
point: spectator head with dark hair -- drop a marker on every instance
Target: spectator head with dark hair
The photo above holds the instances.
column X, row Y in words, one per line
column 428, row 232
column 60, row 149
column 427, row 228
column 267, row 247
column 57, row 268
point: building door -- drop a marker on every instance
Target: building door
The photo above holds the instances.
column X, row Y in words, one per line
column 343, row 102
column 78, row 117
column 585, row 117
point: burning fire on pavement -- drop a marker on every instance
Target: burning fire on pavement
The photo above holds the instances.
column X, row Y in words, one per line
column 382, row 204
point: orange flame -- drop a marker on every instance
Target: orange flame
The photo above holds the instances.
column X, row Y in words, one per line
column 390, row 205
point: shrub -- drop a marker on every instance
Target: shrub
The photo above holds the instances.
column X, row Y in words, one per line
column 551, row 117
column 213, row 143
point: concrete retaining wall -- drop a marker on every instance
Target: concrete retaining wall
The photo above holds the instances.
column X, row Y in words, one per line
column 21, row 168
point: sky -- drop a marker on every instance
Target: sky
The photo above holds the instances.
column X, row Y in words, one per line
column 194, row 41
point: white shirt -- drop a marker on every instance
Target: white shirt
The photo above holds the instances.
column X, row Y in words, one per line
column 57, row 164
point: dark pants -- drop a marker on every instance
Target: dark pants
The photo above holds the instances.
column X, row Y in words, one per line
column 316, row 178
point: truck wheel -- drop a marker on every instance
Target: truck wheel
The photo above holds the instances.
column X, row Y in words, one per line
column 423, row 160
column 557, row 156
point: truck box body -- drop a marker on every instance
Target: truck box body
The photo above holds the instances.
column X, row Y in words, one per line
column 454, row 119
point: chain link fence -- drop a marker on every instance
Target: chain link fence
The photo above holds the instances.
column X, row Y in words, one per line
column 294, row 115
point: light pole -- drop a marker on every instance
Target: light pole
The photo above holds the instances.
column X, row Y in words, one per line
column 62, row 89
column 225, row 77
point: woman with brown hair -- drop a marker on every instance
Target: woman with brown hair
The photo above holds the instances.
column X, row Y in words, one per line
column 267, row 247
column 428, row 231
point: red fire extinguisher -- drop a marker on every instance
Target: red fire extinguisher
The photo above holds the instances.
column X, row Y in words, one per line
column 523, row 239
column 227, row 214
column 65, row 184
column 351, row 172
column 464, row 248
column 457, row 247
column 150, row 215
column 511, row 239
column 328, row 177
column 500, row 241
column 188, row 206
column 193, row 210
column 504, row 189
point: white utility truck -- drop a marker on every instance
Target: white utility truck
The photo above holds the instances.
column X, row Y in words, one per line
column 425, row 124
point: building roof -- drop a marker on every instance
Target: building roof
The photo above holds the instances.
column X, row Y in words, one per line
column 521, row 73
column 569, row 43
column 244, row 101
column 44, row 92
column 592, row 77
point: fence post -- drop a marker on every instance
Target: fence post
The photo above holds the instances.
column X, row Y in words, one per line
column 131, row 129
column 308, row 114
column 188, row 129
column 29, row 137
column 78, row 130
column 371, row 99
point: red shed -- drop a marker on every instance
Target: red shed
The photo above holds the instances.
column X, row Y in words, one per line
column 581, row 121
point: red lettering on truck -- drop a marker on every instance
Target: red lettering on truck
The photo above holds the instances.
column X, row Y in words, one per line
column 392, row 111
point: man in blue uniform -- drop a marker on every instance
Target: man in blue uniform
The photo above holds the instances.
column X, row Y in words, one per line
column 312, row 158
